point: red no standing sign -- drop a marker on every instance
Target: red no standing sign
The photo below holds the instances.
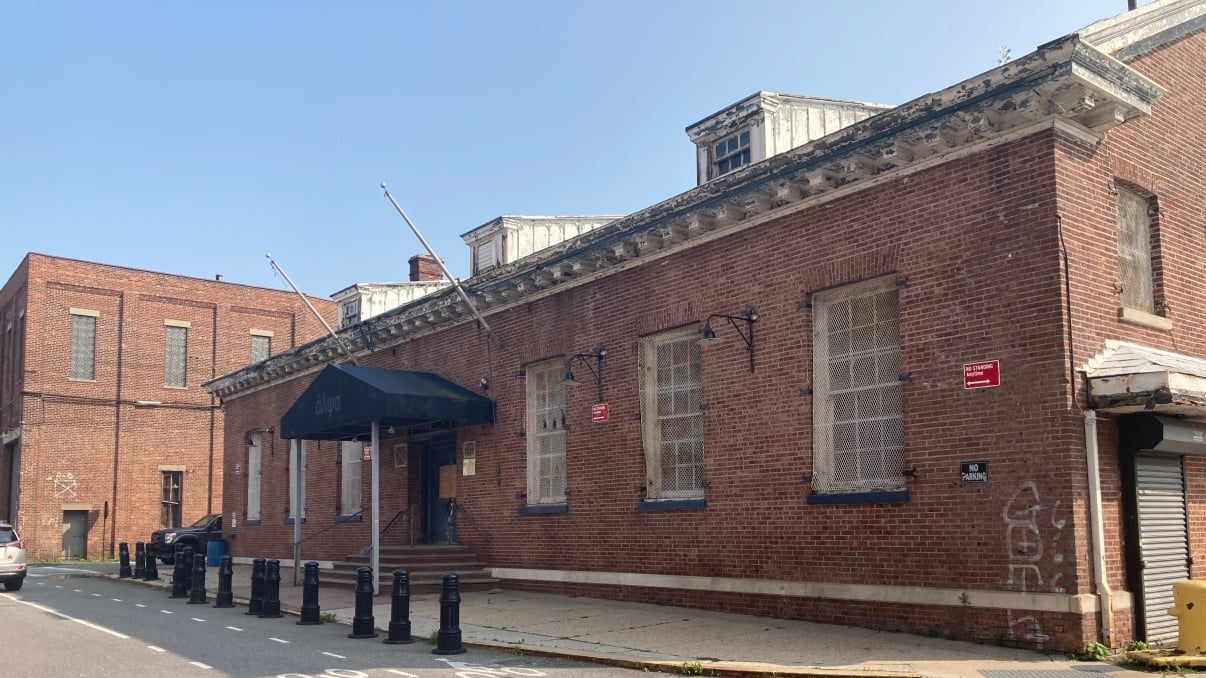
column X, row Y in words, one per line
column 982, row 375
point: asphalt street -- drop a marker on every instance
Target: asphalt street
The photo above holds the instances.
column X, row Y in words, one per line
column 65, row 622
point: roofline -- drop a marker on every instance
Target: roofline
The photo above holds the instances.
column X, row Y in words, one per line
column 501, row 217
column 762, row 94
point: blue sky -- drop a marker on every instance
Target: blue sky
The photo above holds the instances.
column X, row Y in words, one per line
column 193, row 138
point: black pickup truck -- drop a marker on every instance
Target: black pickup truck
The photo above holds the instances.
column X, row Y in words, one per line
column 196, row 535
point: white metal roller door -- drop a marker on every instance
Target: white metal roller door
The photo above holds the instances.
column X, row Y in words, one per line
column 1163, row 539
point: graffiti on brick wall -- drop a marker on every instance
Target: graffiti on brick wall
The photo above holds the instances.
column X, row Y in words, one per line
column 1031, row 567
column 65, row 485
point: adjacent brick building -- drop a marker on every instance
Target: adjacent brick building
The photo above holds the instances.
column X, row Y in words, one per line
column 962, row 389
column 107, row 431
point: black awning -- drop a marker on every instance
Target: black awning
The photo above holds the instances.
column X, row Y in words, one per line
column 344, row 400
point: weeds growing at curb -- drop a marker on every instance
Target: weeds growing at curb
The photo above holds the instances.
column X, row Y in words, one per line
column 691, row 669
column 1097, row 652
column 328, row 617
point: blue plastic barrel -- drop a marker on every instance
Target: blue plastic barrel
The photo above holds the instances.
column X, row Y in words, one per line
column 214, row 552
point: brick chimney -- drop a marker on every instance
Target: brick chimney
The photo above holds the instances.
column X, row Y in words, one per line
column 423, row 267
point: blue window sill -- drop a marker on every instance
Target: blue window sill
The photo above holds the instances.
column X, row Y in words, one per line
column 672, row 505
column 543, row 509
column 289, row 521
column 249, row 523
column 890, row 497
column 354, row 518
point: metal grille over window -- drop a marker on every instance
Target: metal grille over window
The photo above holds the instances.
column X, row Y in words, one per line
column 261, row 348
column 253, row 476
column 732, row 153
column 349, row 497
column 170, row 514
column 859, row 436
column 546, row 433
column 1135, row 251
column 176, row 358
column 673, row 421
column 83, row 347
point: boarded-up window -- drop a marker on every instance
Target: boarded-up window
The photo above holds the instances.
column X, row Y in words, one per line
column 672, row 420
column 858, row 430
column 261, row 347
column 254, row 452
column 546, row 432
column 350, row 472
column 1135, row 251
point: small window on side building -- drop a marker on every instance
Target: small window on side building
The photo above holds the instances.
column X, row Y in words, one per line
column 175, row 356
column 261, row 347
column 731, row 153
column 83, row 346
column 1137, row 284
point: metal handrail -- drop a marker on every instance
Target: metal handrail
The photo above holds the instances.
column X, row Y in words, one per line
column 337, row 523
column 410, row 533
column 472, row 520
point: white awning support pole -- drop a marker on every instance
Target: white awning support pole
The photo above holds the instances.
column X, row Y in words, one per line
column 376, row 519
column 1100, row 578
column 295, row 456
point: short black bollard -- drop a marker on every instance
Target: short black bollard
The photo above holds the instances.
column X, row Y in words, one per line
column 152, row 569
column 140, row 560
column 448, row 638
column 309, row 609
column 197, row 593
column 123, row 551
column 362, row 623
column 272, row 590
column 179, row 590
column 399, row 617
column 225, row 597
column 187, row 555
column 255, row 604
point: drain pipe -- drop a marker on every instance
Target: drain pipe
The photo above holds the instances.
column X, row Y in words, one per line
column 1102, row 584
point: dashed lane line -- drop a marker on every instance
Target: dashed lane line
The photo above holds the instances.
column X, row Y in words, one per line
column 156, row 648
column 283, row 642
column 332, row 654
column 116, row 600
column 200, row 665
column 96, row 595
column 139, row 605
column 402, row 673
column 197, row 619
column 56, row 613
column 234, row 628
column 166, row 611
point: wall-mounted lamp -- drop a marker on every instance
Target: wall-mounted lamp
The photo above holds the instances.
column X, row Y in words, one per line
column 749, row 316
column 596, row 370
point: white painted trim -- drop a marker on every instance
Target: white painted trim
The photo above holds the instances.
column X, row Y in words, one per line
column 1143, row 318
column 262, row 333
column 84, row 311
column 172, row 467
column 1084, row 603
column 177, row 323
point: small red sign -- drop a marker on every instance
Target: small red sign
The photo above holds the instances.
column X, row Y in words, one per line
column 982, row 375
column 368, row 452
column 234, row 519
column 238, row 469
column 598, row 412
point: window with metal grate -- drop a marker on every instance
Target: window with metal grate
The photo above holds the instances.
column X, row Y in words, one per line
column 546, row 432
column 83, row 346
column 858, row 431
column 671, row 387
column 176, row 356
column 351, row 470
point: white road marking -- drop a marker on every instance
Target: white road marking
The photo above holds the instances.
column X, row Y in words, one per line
column 57, row 586
column 96, row 595
column 117, row 600
column 77, row 590
column 234, row 628
column 41, row 583
column 280, row 641
column 67, row 617
column 166, row 611
column 156, row 649
column 197, row 619
column 139, row 605
column 332, row 654
column 200, row 665
column 402, row 673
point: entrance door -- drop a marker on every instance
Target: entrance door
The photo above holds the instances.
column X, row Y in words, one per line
column 1163, row 539
column 438, row 460
column 75, row 535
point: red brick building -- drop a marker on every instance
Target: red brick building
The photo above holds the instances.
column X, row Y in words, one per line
column 107, row 431
column 962, row 389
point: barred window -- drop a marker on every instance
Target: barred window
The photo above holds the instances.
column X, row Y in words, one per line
column 546, row 432
column 857, row 425
column 175, row 356
column 350, row 475
column 671, row 417
column 254, row 455
column 1135, row 251
column 261, row 347
column 83, row 346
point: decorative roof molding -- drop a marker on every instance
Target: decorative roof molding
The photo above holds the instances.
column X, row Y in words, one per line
column 1138, row 32
column 1066, row 84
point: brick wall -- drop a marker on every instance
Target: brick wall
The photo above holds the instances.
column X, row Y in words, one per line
column 76, row 433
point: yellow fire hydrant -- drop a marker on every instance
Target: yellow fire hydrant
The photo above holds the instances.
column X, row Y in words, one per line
column 1189, row 607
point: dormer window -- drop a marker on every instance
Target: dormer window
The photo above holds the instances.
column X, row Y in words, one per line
column 349, row 313
column 731, row 153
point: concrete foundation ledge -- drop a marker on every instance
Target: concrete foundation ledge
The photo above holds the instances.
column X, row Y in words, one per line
column 1167, row 659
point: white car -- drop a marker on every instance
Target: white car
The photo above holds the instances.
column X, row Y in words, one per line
column 12, row 558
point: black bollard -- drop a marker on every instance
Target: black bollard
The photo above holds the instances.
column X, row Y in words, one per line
column 197, row 592
column 225, row 597
column 362, row 623
column 186, row 554
column 272, row 590
column 309, row 609
column 179, row 590
column 152, row 568
column 255, row 604
column 123, row 551
column 399, row 617
column 448, row 638
column 140, row 560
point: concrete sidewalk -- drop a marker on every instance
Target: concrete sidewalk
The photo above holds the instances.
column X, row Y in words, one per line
column 660, row 637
